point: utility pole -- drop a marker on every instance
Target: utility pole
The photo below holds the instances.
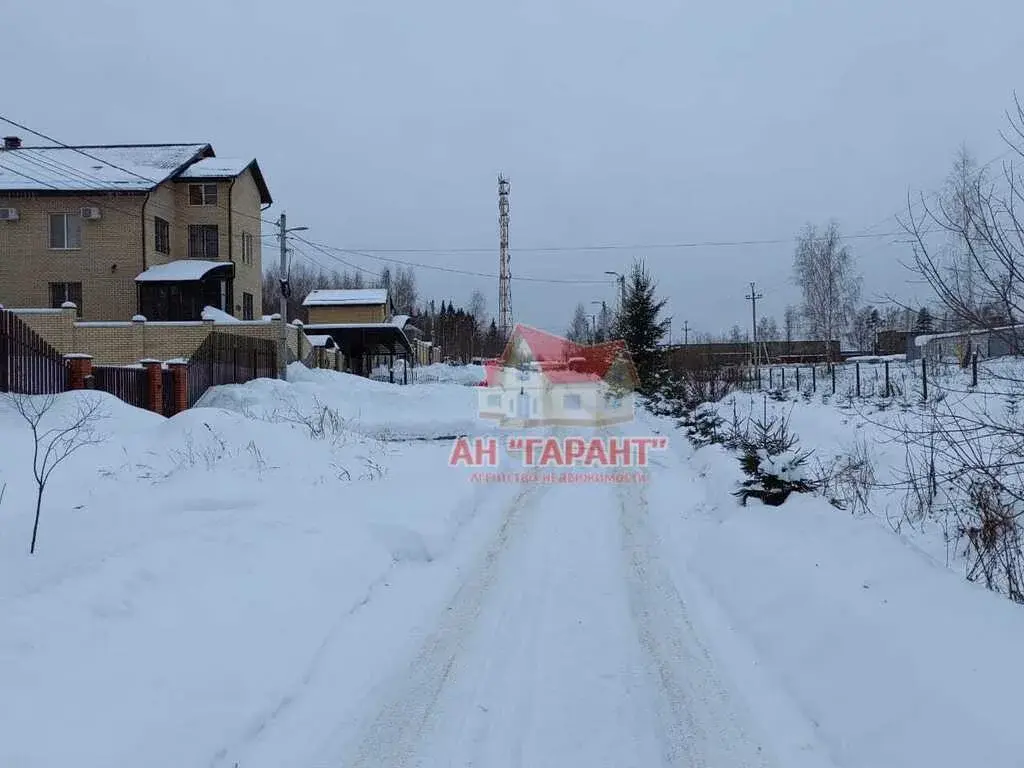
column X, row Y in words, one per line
column 286, row 291
column 752, row 297
column 686, row 333
column 621, row 280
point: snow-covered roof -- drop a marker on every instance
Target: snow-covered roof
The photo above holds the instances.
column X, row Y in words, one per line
column 216, row 168
column 400, row 320
column 183, row 270
column 134, row 168
column 335, row 297
column 921, row 341
column 218, row 315
column 320, row 339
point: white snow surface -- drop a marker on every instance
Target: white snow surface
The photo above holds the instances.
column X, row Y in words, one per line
column 225, row 588
column 469, row 375
column 216, row 168
column 218, row 315
column 371, row 408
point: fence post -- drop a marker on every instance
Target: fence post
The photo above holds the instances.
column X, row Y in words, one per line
column 924, row 378
column 154, row 385
column 857, row 366
column 405, row 371
column 757, row 373
column 974, row 369
column 798, row 379
column 832, row 369
column 79, row 370
column 771, row 377
column 888, row 389
column 179, row 384
column 783, row 378
column 814, row 378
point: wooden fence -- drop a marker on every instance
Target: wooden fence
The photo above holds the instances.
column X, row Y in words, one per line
column 229, row 359
column 28, row 365
column 125, row 382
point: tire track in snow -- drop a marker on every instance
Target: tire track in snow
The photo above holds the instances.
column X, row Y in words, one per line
column 700, row 721
column 392, row 736
column 264, row 720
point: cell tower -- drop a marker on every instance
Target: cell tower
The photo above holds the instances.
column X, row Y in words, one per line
column 505, row 270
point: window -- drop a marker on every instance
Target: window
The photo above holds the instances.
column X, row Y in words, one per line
column 248, row 246
column 203, row 241
column 202, row 194
column 572, row 402
column 494, row 401
column 62, row 292
column 161, row 235
column 65, row 231
column 247, row 306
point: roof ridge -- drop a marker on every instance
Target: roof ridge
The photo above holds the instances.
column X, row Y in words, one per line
column 117, row 146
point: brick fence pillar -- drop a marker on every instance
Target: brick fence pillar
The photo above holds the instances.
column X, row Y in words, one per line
column 154, row 385
column 179, row 381
column 79, row 370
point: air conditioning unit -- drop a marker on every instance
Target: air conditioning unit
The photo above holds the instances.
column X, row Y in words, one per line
column 8, row 214
column 90, row 213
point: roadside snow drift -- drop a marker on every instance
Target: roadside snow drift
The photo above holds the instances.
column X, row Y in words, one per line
column 371, row 408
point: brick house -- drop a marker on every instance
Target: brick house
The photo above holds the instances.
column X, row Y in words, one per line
column 347, row 305
column 160, row 230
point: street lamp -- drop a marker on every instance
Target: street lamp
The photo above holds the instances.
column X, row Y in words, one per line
column 621, row 278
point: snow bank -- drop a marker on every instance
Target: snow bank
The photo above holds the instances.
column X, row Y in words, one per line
column 366, row 407
column 469, row 375
column 147, row 629
column 831, row 619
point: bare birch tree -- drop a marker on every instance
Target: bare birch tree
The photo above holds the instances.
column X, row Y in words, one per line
column 968, row 243
column 825, row 271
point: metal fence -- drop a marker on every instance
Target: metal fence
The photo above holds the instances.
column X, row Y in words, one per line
column 125, row 382
column 225, row 358
column 28, row 365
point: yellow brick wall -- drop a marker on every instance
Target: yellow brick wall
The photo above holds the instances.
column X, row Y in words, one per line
column 125, row 343
column 358, row 314
column 245, row 206
column 106, row 264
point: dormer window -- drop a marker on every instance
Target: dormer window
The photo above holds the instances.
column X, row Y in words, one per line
column 202, row 194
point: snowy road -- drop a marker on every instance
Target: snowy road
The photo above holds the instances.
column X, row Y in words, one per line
column 566, row 644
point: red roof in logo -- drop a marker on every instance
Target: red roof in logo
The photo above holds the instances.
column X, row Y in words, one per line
column 560, row 360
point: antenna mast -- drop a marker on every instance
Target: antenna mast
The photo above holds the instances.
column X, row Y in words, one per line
column 505, row 270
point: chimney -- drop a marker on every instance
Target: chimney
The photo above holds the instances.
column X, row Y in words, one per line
column 12, row 142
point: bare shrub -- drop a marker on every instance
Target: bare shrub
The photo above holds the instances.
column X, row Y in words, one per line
column 847, row 482
column 55, row 437
column 990, row 525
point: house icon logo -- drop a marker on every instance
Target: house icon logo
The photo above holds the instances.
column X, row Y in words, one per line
column 543, row 379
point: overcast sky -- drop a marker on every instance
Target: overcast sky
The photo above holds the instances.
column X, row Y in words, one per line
column 382, row 125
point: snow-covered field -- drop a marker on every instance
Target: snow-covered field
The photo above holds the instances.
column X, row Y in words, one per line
column 265, row 581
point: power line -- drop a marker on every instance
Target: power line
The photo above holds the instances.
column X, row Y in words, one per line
column 623, row 246
column 453, row 270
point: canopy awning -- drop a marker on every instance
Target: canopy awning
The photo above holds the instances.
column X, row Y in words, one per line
column 186, row 270
column 355, row 339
